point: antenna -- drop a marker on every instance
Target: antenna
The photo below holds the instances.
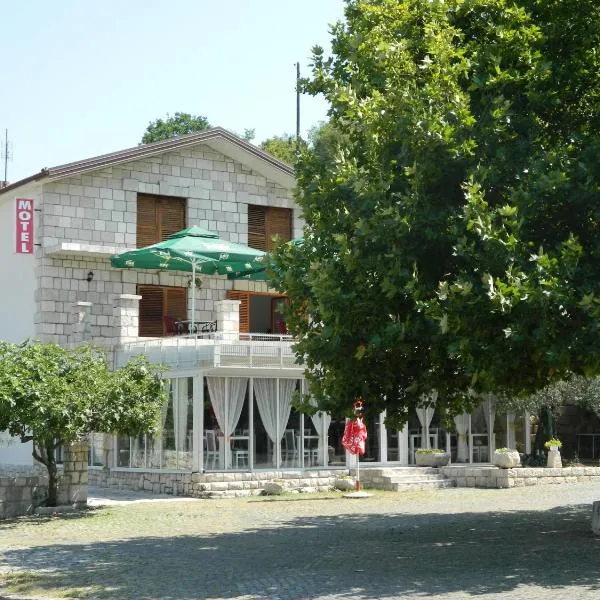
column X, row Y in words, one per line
column 7, row 154
column 297, row 105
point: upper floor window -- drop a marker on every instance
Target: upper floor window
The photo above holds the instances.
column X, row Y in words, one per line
column 264, row 222
column 158, row 217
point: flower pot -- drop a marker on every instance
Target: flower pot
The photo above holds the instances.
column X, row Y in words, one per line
column 506, row 460
column 554, row 461
column 438, row 459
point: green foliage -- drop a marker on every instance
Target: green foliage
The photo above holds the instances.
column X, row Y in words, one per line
column 54, row 395
column 429, row 451
column 451, row 237
column 173, row 126
column 553, row 443
column 284, row 147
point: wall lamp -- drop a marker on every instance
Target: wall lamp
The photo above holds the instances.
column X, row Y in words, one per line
column 90, row 276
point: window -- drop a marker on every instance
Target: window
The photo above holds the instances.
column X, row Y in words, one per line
column 160, row 306
column 157, row 218
column 264, row 222
column 260, row 313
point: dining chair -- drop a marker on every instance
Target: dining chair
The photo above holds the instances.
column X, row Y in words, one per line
column 211, row 451
column 289, row 450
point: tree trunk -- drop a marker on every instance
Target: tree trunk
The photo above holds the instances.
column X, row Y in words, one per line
column 46, row 454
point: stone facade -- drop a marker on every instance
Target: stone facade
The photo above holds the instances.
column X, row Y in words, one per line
column 87, row 218
column 214, row 485
column 493, row 477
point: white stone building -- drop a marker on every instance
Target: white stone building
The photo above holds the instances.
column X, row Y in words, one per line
column 230, row 390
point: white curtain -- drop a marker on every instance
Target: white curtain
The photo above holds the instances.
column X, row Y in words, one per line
column 462, row 427
column 227, row 413
column 511, row 434
column 425, row 414
column 266, row 400
column 180, row 414
column 489, row 414
column 321, row 420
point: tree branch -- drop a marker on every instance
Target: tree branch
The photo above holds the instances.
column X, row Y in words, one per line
column 40, row 458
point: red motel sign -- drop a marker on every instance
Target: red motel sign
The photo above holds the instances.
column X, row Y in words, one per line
column 24, row 216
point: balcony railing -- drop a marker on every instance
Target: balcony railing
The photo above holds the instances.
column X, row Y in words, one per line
column 217, row 349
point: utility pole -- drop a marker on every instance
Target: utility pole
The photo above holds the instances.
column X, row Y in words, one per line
column 297, row 105
column 6, row 154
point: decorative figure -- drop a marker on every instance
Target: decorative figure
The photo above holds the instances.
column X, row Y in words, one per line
column 355, row 435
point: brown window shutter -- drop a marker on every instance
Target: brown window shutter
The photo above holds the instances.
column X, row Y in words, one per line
column 244, row 298
column 278, row 222
column 151, row 311
column 156, row 303
column 256, row 227
column 157, row 218
column 176, row 305
column 171, row 213
column 146, row 221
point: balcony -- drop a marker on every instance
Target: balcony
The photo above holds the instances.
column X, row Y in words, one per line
column 215, row 350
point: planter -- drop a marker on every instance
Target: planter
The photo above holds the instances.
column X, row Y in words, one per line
column 554, row 461
column 506, row 460
column 435, row 459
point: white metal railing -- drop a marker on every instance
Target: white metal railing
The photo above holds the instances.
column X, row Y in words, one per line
column 219, row 349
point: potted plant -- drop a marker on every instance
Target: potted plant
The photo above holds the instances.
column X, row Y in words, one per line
column 431, row 457
column 553, row 445
column 506, row 458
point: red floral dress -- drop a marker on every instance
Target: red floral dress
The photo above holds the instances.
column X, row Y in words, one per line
column 355, row 435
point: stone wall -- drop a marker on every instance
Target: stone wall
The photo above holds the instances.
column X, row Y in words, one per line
column 21, row 492
column 210, row 485
column 493, row 477
column 100, row 210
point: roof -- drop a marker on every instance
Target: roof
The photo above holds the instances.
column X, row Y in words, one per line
column 218, row 138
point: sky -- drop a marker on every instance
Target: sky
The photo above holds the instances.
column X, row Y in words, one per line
column 82, row 79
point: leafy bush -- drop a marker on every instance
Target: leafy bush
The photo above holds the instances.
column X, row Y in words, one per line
column 553, row 443
column 429, row 451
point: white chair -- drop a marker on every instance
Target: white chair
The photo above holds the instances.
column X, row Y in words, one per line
column 289, row 450
column 211, row 450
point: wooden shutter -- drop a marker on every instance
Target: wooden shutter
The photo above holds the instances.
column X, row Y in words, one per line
column 157, row 302
column 278, row 222
column 146, row 221
column 171, row 216
column 157, row 218
column 151, row 311
column 256, row 227
column 244, row 298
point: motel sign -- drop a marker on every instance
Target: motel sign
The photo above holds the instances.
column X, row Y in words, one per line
column 24, row 224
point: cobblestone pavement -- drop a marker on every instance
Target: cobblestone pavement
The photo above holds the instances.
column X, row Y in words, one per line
column 526, row 543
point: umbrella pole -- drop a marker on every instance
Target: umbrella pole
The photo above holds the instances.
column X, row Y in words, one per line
column 193, row 295
column 357, row 482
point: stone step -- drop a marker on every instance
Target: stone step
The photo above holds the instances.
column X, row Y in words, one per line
column 408, row 485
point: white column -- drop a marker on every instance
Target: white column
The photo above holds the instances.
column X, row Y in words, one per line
column 403, row 445
column 198, row 420
column 470, row 442
column 126, row 316
column 251, row 440
column 527, row 430
column 383, row 447
column 228, row 318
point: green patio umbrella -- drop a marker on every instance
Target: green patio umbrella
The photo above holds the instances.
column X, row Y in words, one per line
column 195, row 250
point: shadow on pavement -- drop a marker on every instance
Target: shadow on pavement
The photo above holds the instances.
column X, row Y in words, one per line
column 346, row 556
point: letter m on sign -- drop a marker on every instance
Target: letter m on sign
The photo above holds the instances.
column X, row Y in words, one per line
column 24, row 226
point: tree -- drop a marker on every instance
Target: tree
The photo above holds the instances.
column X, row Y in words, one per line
column 451, row 244
column 284, row 147
column 54, row 396
column 178, row 124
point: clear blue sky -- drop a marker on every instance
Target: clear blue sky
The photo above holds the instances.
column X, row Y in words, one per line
column 85, row 78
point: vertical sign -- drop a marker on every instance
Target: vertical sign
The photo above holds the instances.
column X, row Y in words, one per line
column 24, row 215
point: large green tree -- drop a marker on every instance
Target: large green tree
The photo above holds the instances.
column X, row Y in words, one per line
column 451, row 241
column 284, row 147
column 54, row 396
column 178, row 124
